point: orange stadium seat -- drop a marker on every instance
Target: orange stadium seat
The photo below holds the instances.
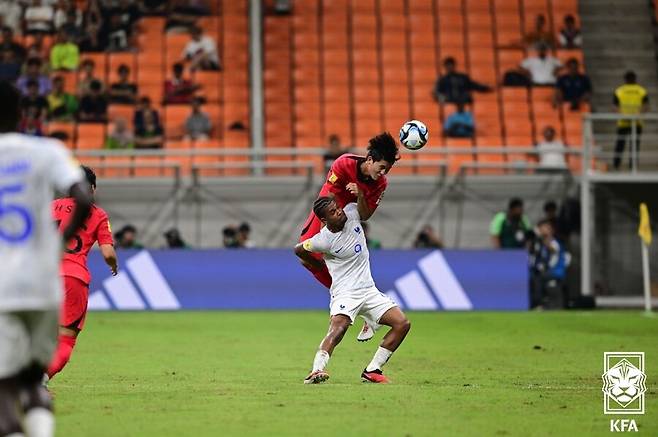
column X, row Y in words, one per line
column 91, row 135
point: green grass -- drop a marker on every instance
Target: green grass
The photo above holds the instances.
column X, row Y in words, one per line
column 240, row 373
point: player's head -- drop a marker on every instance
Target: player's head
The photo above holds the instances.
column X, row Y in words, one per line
column 10, row 108
column 90, row 177
column 545, row 228
column 515, row 208
column 382, row 154
column 329, row 212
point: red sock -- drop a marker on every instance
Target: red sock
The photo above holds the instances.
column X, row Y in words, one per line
column 65, row 346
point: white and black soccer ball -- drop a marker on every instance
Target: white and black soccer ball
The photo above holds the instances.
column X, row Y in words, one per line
column 414, row 134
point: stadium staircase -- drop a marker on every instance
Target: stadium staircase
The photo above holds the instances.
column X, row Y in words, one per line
column 618, row 37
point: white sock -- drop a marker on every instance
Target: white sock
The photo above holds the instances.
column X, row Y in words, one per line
column 321, row 360
column 39, row 422
column 381, row 357
column 15, row 434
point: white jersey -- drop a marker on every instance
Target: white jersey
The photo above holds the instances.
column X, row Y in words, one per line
column 346, row 255
column 31, row 170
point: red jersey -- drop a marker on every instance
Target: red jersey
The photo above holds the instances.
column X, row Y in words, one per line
column 96, row 228
column 344, row 170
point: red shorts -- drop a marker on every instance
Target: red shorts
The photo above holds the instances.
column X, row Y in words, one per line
column 74, row 307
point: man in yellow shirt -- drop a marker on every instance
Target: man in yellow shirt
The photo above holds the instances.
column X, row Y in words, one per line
column 64, row 55
column 629, row 98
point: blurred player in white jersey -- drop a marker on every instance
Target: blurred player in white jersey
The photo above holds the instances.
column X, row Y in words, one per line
column 353, row 292
column 31, row 171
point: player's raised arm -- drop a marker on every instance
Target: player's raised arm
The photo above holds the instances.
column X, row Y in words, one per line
column 365, row 212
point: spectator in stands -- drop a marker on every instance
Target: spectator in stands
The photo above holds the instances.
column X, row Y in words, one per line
column 282, row 7
column 230, row 237
column 129, row 14
column 33, row 100
column 551, row 215
column 11, row 15
column 114, row 35
column 33, row 72
column 551, row 152
column 8, row 43
column 93, row 106
column 428, row 239
column 174, row 239
column 149, row 135
column 570, row 37
column 540, row 36
column 184, row 13
column 126, row 238
column 123, row 91
column 334, row 151
column 88, row 77
column 63, row 10
column 201, row 51
column 629, row 99
column 459, row 124
column 38, row 18
column 454, row 87
column 197, row 125
column 64, row 54
column 573, row 87
column 509, row 230
column 121, row 137
column 549, row 261
column 10, row 67
column 178, row 89
column 73, row 26
column 143, row 109
column 31, row 123
column 92, row 40
column 62, row 106
column 39, row 49
column 541, row 69
column 244, row 236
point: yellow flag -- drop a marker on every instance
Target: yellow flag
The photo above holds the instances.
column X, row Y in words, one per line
column 644, row 231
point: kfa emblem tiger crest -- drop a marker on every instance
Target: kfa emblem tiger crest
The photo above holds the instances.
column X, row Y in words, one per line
column 624, row 382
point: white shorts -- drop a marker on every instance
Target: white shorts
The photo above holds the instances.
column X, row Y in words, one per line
column 26, row 337
column 372, row 304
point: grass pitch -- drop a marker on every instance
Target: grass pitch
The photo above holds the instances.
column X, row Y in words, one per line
column 240, row 373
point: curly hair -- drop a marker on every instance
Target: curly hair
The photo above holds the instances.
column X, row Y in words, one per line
column 383, row 148
column 321, row 204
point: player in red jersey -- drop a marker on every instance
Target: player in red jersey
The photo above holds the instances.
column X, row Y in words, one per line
column 75, row 273
column 348, row 172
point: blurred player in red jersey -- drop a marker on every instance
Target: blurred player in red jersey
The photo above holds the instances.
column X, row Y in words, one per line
column 75, row 273
column 347, row 173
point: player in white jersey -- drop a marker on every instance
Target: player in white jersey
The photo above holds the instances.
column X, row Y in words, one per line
column 353, row 292
column 31, row 171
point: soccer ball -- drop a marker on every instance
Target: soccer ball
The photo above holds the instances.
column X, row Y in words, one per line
column 414, row 134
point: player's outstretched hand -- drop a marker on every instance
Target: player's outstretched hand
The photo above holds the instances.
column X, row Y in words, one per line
column 114, row 269
column 353, row 188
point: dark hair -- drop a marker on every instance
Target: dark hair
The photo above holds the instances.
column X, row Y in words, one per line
column 34, row 61
column 569, row 17
column 144, row 99
column 550, row 206
column 383, row 147
column 88, row 61
column 244, row 227
column 90, row 176
column 515, row 202
column 545, row 222
column 95, row 85
column 58, row 79
column 449, row 60
column 123, row 67
column 178, row 67
column 9, row 110
column 320, row 204
column 128, row 228
column 630, row 76
column 7, row 29
column 30, row 83
column 573, row 61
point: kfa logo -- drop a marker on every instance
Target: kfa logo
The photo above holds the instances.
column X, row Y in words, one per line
column 624, row 385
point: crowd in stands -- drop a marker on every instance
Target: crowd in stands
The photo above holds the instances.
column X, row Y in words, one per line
column 44, row 41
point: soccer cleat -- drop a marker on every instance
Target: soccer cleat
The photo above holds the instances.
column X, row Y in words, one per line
column 366, row 333
column 374, row 376
column 316, row 377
